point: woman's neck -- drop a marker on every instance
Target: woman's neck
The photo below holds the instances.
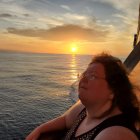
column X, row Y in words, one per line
column 101, row 111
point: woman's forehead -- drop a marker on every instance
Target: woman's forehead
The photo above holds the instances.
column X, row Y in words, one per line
column 96, row 67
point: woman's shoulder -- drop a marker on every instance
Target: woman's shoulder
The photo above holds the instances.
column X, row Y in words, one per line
column 119, row 126
column 116, row 133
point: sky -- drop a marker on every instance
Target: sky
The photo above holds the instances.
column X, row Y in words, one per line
column 57, row 26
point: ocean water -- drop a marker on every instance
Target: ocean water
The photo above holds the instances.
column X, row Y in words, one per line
column 35, row 88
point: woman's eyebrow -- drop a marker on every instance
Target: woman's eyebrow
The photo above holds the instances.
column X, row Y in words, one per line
column 95, row 72
column 92, row 72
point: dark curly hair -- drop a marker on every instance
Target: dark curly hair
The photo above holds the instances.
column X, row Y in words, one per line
column 118, row 81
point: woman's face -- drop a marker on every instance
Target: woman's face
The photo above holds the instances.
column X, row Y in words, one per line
column 93, row 87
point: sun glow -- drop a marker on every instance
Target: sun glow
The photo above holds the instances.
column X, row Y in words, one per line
column 74, row 47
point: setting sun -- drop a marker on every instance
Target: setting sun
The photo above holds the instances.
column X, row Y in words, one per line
column 73, row 47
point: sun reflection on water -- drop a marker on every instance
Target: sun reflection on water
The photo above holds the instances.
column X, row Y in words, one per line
column 73, row 69
column 74, row 78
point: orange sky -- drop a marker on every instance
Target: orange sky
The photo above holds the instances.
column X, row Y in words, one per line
column 30, row 44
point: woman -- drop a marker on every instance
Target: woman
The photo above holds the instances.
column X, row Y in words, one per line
column 107, row 110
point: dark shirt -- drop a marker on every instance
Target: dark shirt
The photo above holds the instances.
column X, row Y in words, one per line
column 117, row 120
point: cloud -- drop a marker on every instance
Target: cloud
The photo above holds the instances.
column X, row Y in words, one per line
column 75, row 16
column 63, row 33
column 3, row 15
column 26, row 15
column 65, row 7
column 120, row 4
column 129, row 7
column 127, row 18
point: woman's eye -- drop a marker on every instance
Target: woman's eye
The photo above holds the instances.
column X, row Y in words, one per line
column 93, row 76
